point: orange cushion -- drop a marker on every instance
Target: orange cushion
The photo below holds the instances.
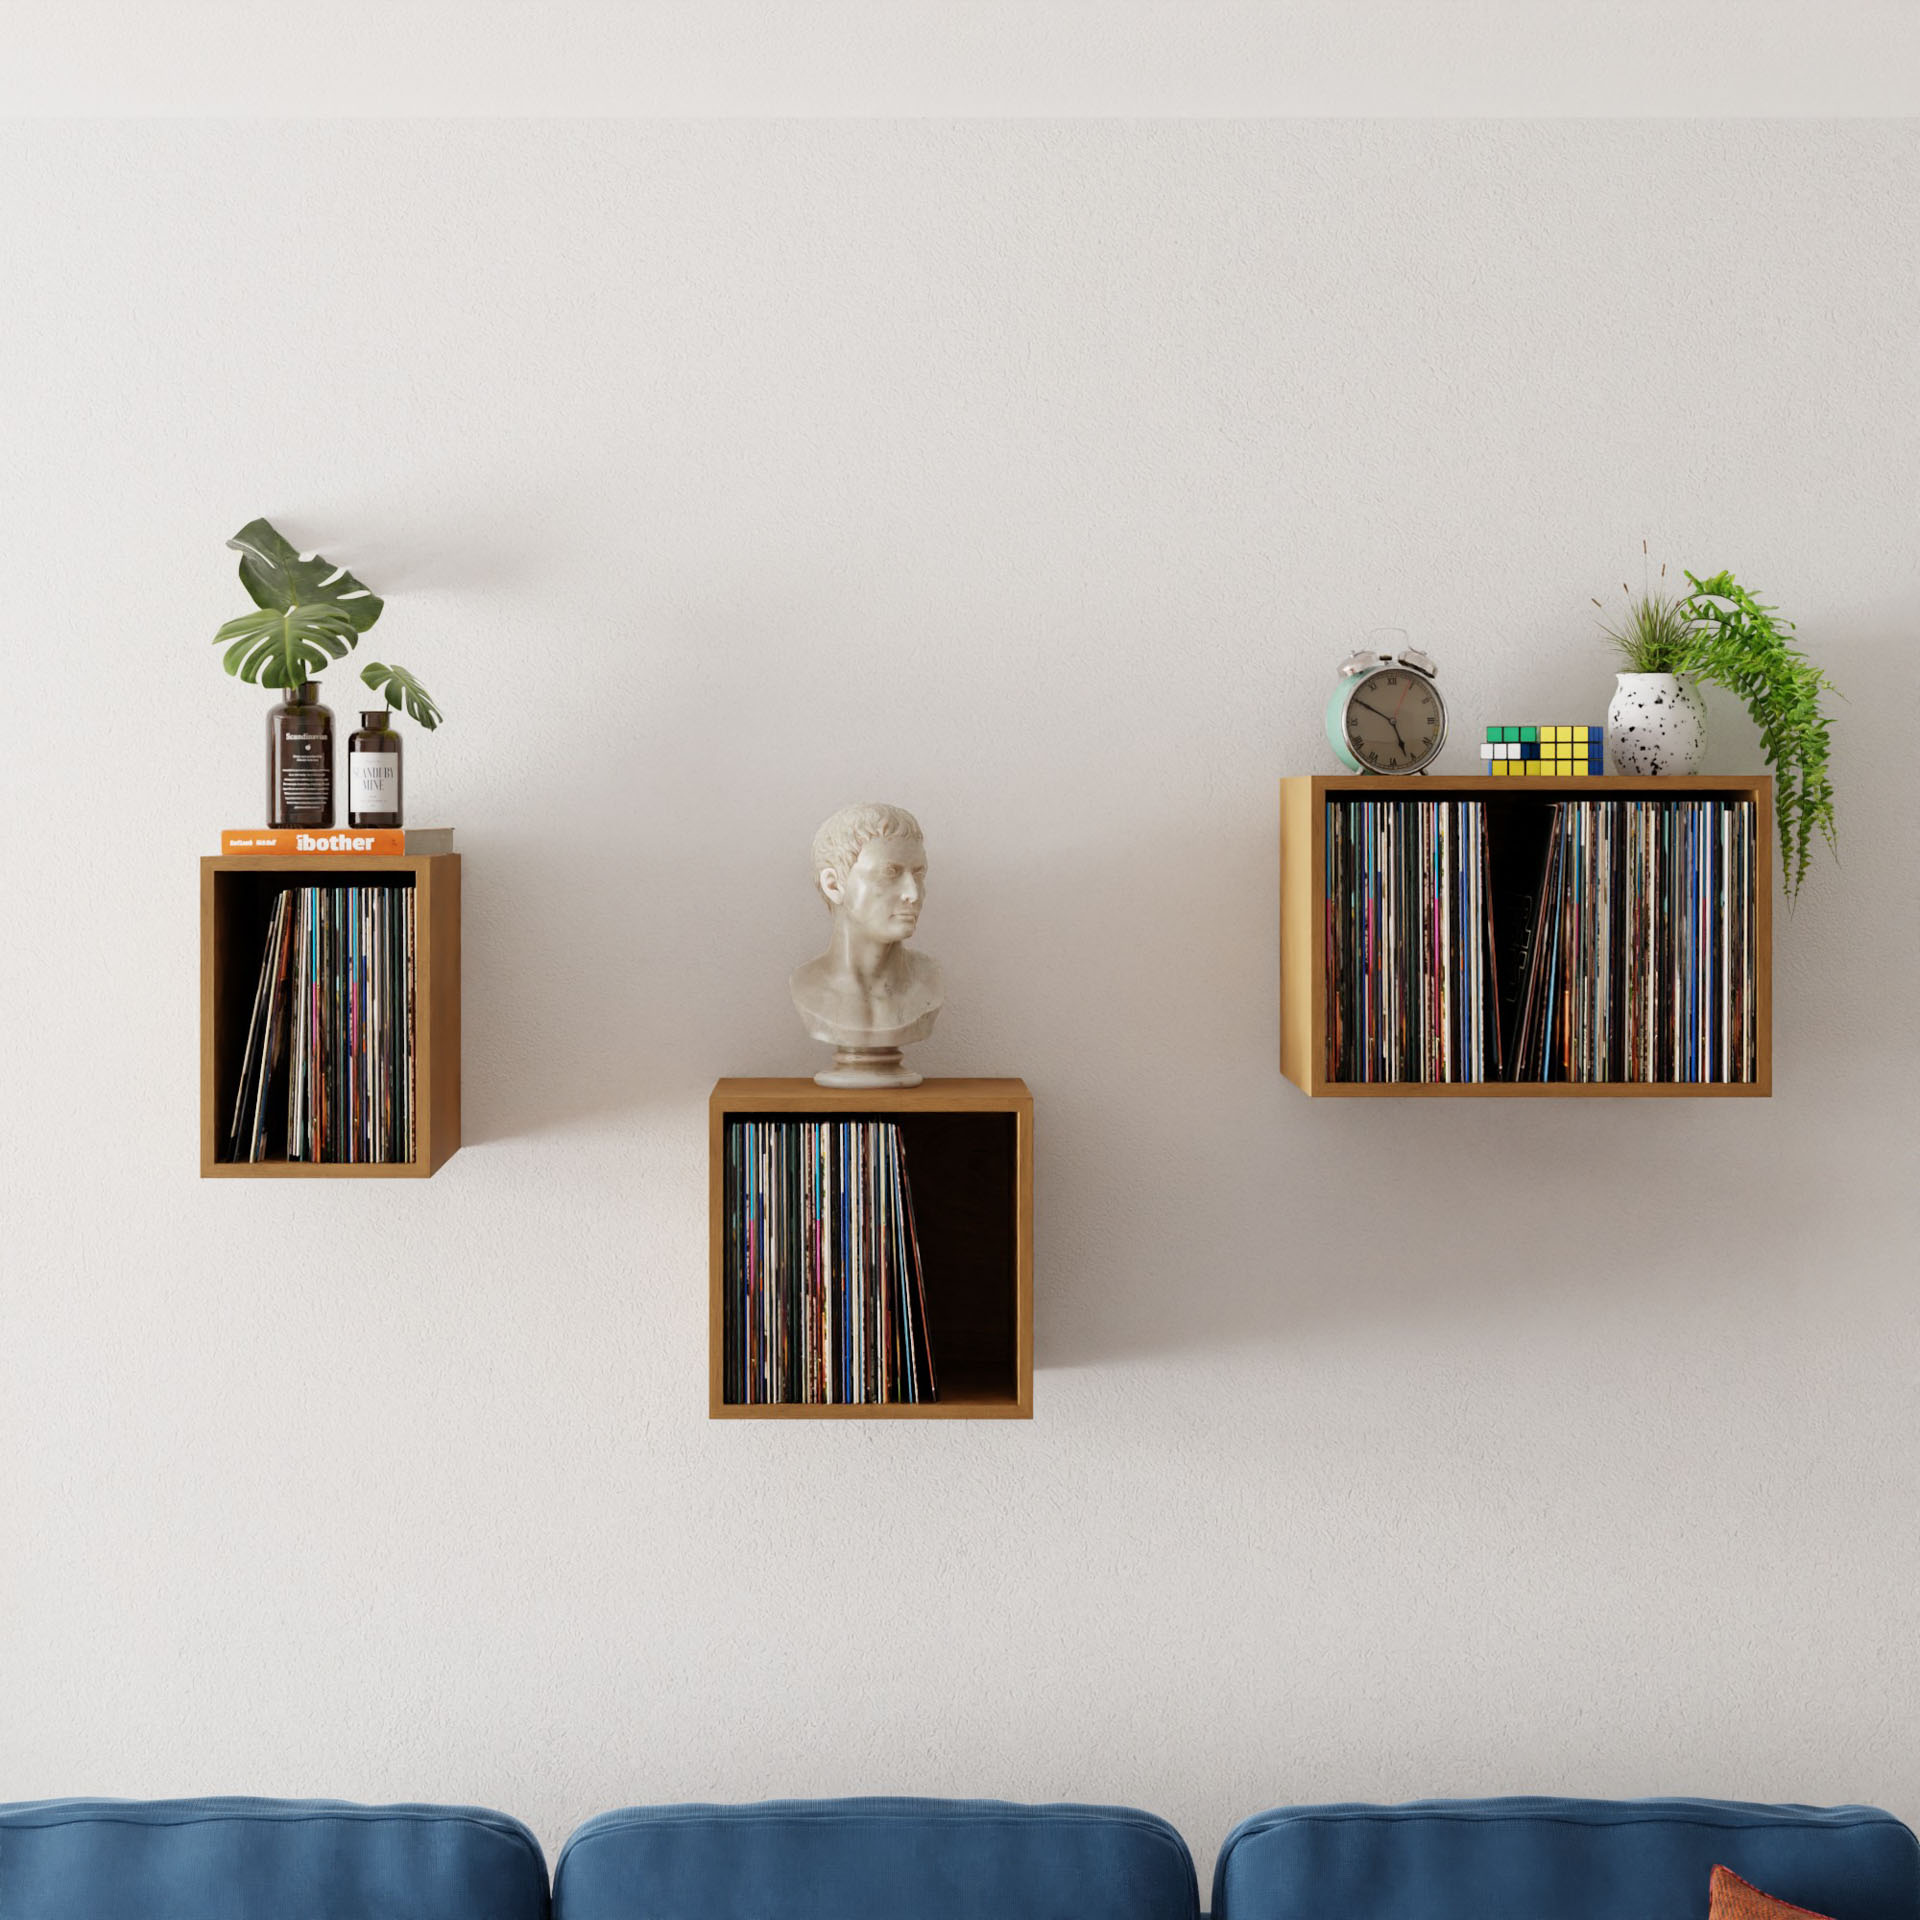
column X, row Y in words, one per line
column 1733, row 1899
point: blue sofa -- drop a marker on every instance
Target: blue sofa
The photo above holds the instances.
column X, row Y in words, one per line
column 875, row 1860
column 265, row 1860
column 1560, row 1860
column 942, row 1860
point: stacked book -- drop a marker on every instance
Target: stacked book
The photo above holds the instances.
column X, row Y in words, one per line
column 1634, row 922
column 824, row 1301
column 1410, row 942
column 337, row 842
column 336, row 998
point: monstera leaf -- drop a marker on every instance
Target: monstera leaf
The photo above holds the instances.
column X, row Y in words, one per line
column 283, row 649
column 400, row 686
column 310, row 611
column 273, row 572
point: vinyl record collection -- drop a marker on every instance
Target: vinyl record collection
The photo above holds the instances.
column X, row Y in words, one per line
column 825, row 1301
column 1410, row 942
column 1641, row 960
column 1635, row 923
column 336, row 998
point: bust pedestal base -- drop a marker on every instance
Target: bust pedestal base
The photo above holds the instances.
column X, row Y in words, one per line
column 867, row 1067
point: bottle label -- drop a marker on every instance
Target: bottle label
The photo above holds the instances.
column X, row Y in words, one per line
column 373, row 782
column 306, row 771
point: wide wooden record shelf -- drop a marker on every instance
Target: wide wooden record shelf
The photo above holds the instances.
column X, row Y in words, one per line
column 1303, row 924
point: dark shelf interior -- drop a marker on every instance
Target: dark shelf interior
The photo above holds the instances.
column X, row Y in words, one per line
column 1519, row 829
column 962, row 1170
column 1518, row 834
column 242, row 908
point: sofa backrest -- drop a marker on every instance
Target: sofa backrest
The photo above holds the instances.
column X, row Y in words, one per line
column 265, row 1860
column 1560, row 1860
column 875, row 1860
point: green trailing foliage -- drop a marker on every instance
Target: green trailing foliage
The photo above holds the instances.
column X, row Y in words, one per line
column 309, row 613
column 1743, row 646
column 1719, row 633
column 400, row 687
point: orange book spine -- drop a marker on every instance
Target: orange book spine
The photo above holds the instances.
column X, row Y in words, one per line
column 340, row 840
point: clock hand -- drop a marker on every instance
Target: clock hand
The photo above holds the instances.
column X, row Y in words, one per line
column 1388, row 718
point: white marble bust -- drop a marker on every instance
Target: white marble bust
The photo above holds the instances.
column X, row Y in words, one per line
column 867, row 995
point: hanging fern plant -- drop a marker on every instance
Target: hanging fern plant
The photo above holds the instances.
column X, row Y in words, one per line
column 1739, row 644
column 308, row 613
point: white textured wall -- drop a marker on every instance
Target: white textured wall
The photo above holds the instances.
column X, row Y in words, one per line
column 1035, row 476
column 962, row 57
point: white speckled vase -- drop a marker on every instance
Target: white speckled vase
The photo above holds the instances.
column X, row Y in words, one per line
column 1655, row 724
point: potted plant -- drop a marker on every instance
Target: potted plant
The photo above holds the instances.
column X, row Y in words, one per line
column 1719, row 634
column 309, row 613
column 1655, row 723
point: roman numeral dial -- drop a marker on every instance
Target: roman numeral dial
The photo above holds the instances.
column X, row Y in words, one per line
column 1394, row 720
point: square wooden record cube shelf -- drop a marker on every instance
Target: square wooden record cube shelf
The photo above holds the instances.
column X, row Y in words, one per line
column 967, row 1147
column 237, row 896
column 1519, row 815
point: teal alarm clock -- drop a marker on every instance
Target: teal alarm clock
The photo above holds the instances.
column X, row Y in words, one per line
column 1386, row 715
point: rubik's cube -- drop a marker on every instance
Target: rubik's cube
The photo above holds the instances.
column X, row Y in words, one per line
column 1561, row 750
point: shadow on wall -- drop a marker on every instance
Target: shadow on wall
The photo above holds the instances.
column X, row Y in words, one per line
column 632, row 945
column 1125, row 963
column 1192, row 1199
column 559, row 1026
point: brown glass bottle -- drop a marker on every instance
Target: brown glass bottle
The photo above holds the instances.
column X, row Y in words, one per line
column 373, row 773
column 300, row 759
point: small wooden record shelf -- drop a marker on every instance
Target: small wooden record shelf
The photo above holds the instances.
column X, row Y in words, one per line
column 1303, row 923
column 236, row 899
column 969, row 1150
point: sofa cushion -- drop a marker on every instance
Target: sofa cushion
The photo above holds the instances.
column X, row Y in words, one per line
column 265, row 1860
column 875, row 1860
column 1568, row 1859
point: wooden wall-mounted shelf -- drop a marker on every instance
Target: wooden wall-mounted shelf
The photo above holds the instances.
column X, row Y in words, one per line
column 236, row 899
column 1303, row 923
column 969, row 1154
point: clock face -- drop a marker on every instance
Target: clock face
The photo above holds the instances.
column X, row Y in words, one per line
column 1394, row 721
